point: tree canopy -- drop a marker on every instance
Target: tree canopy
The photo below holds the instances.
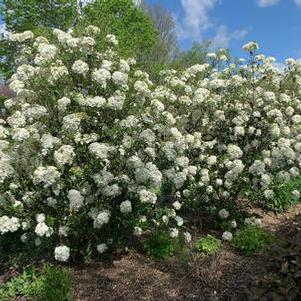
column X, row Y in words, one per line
column 134, row 30
column 195, row 55
column 21, row 15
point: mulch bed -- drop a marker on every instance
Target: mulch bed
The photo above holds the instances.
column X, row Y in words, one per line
column 223, row 276
column 134, row 276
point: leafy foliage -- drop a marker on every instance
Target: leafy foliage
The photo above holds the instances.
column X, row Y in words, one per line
column 196, row 55
column 28, row 284
column 53, row 284
column 286, row 195
column 21, row 15
column 208, row 245
column 134, row 30
column 251, row 239
column 159, row 245
column 57, row 284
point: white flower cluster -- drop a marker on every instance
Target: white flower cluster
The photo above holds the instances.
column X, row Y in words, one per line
column 64, row 155
column 9, row 224
column 76, row 199
column 62, row 253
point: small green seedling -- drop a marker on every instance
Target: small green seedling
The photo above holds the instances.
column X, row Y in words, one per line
column 208, row 245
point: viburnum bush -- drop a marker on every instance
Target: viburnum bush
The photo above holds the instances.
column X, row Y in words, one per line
column 92, row 151
column 246, row 117
column 81, row 154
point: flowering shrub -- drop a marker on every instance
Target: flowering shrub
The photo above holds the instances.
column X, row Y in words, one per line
column 91, row 147
column 81, row 160
column 242, row 123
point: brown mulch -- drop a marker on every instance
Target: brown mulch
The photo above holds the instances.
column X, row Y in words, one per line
column 134, row 277
column 219, row 277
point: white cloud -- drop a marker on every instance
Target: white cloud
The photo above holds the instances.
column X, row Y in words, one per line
column 196, row 19
column 196, row 22
column 266, row 3
column 224, row 37
column 298, row 2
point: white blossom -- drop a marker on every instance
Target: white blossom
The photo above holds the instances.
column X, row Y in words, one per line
column 80, row 67
column 62, row 253
column 227, row 236
column 101, row 248
column 126, row 207
column 223, row 213
column 76, row 199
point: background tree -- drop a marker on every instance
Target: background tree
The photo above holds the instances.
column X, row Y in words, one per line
column 35, row 15
column 164, row 22
column 134, row 30
column 20, row 15
column 166, row 53
column 196, row 55
column 166, row 46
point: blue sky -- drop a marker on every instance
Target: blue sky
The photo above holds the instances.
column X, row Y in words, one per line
column 275, row 24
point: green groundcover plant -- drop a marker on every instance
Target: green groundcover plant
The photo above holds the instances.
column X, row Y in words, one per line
column 251, row 239
column 52, row 284
column 160, row 245
column 286, row 195
column 208, row 245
